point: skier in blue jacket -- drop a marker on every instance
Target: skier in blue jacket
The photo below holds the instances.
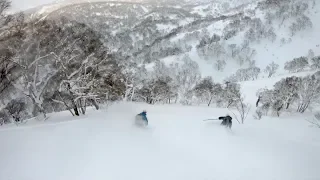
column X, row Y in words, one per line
column 143, row 116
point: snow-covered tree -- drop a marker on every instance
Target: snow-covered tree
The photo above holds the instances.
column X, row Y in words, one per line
column 271, row 69
column 287, row 90
column 266, row 99
column 315, row 62
column 247, row 74
column 246, row 54
column 229, row 94
column 233, row 50
column 269, row 17
column 156, row 90
column 15, row 109
column 253, row 72
column 309, row 92
column 207, row 90
column 302, row 23
column 270, row 99
column 4, row 117
column 297, row 64
column 35, row 59
column 134, row 77
column 232, row 95
column 65, row 57
column 271, row 35
column 251, row 35
column 316, row 120
column 220, row 64
column 310, row 54
column 188, row 74
column 11, row 34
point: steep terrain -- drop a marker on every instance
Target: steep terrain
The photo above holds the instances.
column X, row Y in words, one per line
column 249, row 33
column 159, row 52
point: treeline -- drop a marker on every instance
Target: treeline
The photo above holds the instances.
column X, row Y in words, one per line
column 300, row 64
column 57, row 65
column 291, row 92
column 53, row 65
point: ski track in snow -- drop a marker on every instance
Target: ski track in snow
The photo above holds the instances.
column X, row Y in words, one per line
column 176, row 145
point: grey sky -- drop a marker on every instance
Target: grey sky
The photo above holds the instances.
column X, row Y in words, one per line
column 19, row 5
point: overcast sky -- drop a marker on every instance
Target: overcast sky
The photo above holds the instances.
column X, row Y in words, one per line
column 19, row 5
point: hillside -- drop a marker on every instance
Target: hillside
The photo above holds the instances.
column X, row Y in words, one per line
column 67, row 55
column 144, row 32
column 74, row 75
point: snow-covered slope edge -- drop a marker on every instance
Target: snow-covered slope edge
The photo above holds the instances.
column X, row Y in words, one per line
column 106, row 145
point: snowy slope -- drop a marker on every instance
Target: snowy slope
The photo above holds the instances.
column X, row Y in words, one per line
column 139, row 28
column 178, row 145
column 266, row 51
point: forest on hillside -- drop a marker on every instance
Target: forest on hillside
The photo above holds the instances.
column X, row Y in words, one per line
column 58, row 64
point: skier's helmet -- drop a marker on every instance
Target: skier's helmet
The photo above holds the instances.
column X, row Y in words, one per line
column 144, row 111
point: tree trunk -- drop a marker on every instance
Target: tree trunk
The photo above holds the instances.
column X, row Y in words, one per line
column 75, row 108
column 279, row 109
column 126, row 95
column 303, row 107
column 230, row 102
column 83, row 107
column 288, row 104
column 209, row 101
column 76, row 112
column 257, row 103
column 132, row 94
column 94, row 103
column 37, row 107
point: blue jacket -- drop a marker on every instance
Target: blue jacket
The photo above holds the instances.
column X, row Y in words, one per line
column 144, row 116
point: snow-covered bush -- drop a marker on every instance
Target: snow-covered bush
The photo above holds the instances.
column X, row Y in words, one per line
column 315, row 120
column 4, row 118
column 258, row 114
column 16, row 109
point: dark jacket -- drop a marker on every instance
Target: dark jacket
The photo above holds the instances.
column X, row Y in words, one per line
column 144, row 116
column 226, row 121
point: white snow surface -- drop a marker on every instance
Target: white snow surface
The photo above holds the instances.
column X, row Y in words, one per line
column 177, row 145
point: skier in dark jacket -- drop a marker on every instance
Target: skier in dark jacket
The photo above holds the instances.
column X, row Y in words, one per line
column 143, row 116
column 226, row 121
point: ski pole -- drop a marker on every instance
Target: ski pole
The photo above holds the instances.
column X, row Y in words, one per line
column 210, row 119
